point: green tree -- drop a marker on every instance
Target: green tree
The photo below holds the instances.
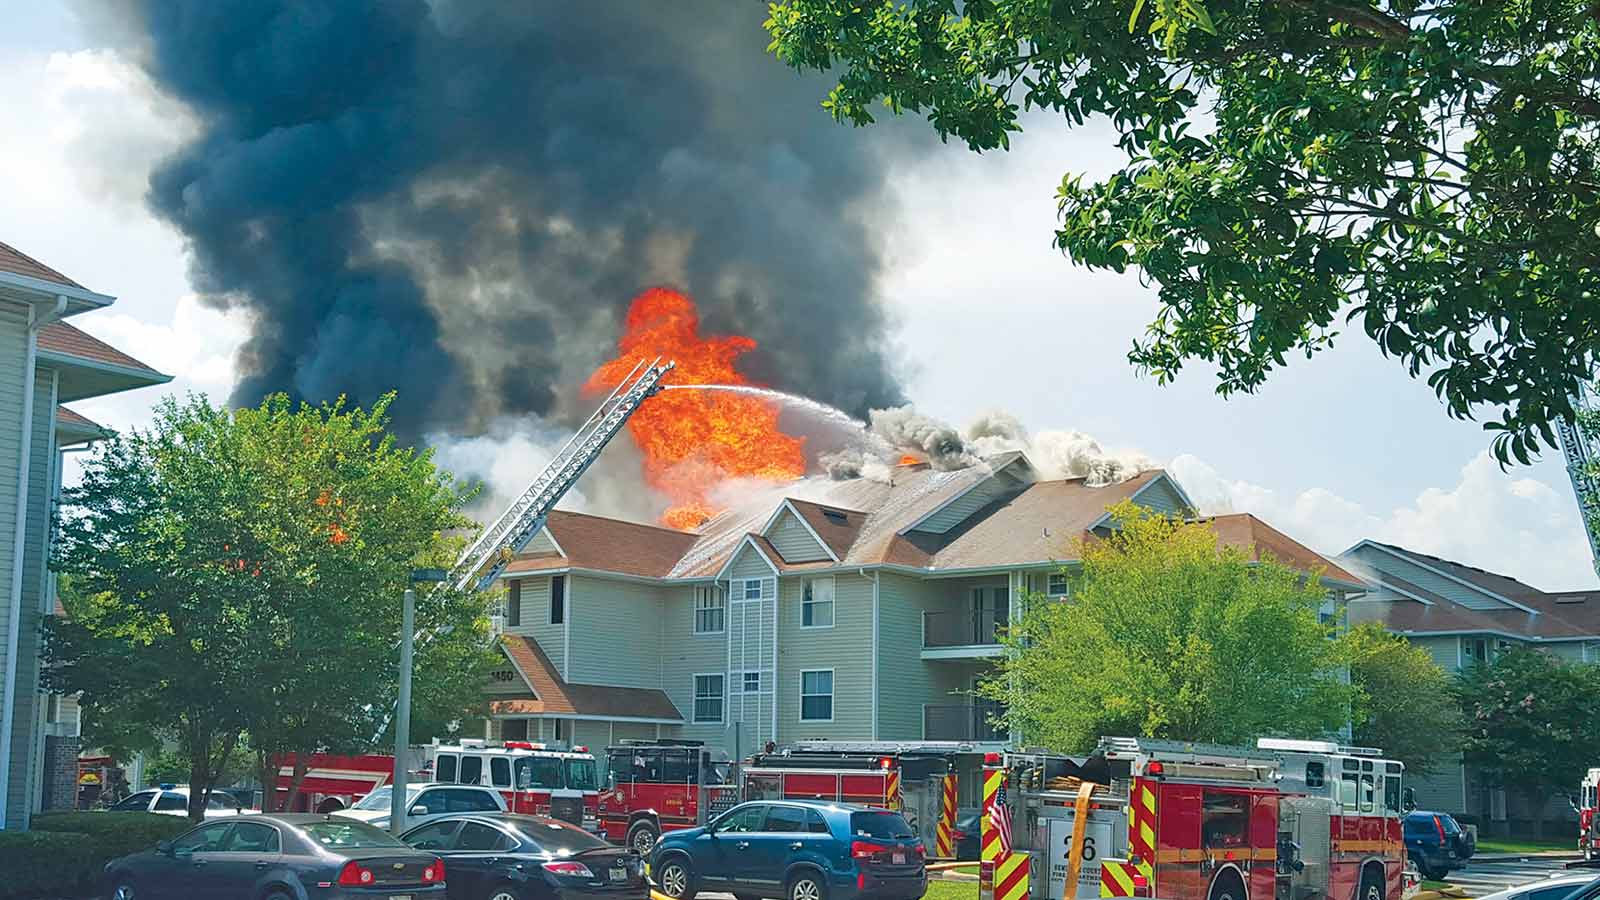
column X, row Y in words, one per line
column 1426, row 169
column 244, row 572
column 1166, row 634
column 1404, row 704
column 1532, row 721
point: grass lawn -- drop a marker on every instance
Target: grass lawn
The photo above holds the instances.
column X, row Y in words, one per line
column 951, row 890
column 1526, row 845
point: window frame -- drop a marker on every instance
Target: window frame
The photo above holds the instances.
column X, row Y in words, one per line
column 808, row 603
column 1050, row 584
column 721, row 698
column 461, row 769
column 502, row 763
column 514, row 603
column 438, row 768
column 833, row 690
column 744, row 682
column 558, row 600
column 710, row 599
column 275, row 846
column 762, row 593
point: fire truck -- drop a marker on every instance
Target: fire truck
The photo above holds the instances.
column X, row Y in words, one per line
column 1286, row 820
column 333, row 781
column 919, row 779
column 1587, row 803
column 544, row 779
column 663, row 785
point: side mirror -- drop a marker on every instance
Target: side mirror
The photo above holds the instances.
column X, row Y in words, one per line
column 164, row 848
column 419, row 810
column 1408, row 799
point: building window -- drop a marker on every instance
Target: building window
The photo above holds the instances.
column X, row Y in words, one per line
column 1056, row 585
column 708, row 698
column 709, row 609
column 751, row 590
column 816, row 605
column 816, row 696
column 752, row 682
column 558, row 599
column 514, row 603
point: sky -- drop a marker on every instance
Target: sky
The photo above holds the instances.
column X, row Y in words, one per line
column 1333, row 450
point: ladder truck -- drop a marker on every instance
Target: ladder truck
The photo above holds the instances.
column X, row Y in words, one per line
column 1579, row 454
column 487, row 556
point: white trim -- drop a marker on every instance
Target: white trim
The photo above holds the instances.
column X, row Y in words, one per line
column 833, row 695
column 1386, row 586
column 694, row 609
column 56, row 289
column 917, row 523
column 518, row 669
column 1067, row 583
column 647, row 720
column 1161, row 475
column 786, row 505
column 1508, row 635
column 876, row 649
column 560, row 551
column 148, row 376
column 694, row 698
column 566, row 621
column 1406, row 557
column 833, row 605
column 747, row 540
column 965, row 651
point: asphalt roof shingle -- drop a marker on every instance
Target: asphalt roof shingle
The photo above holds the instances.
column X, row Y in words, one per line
column 59, row 337
column 15, row 261
column 555, row 696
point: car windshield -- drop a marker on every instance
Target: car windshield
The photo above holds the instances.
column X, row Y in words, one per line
column 581, row 775
column 380, row 798
column 888, row 825
column 345, row 834
column 222, row 801
column 558, row 838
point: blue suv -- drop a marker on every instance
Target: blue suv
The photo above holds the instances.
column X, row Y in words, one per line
column 794, row 850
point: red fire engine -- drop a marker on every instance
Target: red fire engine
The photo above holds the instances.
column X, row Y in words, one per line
column 547, row 780
column 919, row 779
column 334, row 782
column 1288, row 820
column 663, row 785
column 1586, row 805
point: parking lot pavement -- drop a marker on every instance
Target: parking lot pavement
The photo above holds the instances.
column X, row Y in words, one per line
column 1480, row 878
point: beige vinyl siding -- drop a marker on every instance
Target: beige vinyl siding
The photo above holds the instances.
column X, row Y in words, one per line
column 616, row 632
column 683, row 654
column 541, row 543
column 846, row 648
column 906, row 682
column 13, row 358
column 536, row 619
column 631, row 731
column 24, row 744
column 750, row 564
column 794, row 541
column 591, row 734
column 1401, row 568
column 976, row 498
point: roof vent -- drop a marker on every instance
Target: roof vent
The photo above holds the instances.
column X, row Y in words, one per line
column 834, row 516
column 1572, row 598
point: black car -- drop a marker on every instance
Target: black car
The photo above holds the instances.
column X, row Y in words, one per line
column 967, row 834
column 501, row 856
column 278, row 857
column 1436, row 843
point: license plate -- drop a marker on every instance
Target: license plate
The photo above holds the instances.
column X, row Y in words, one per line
column 619, row 874
column 899, row 859
column 399, row 897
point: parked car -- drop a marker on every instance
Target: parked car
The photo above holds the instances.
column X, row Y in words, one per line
column 171, row 800
column 428, row 801
column 278, row 857
column 1434, row 842
column 968, row 835
column 1556, row 887
column 794, row 850
column 502, row 856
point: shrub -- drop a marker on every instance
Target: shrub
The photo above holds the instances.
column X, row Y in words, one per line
column 65, row 854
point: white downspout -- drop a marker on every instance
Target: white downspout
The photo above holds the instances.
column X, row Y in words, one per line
column 13, row 625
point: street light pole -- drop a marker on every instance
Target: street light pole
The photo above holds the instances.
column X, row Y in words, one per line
column 402, row 716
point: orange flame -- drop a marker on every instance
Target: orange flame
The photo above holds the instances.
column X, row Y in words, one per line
column 909, row 460
column 693, row 441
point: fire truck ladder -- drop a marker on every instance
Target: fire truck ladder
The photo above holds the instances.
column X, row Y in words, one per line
column 1186, row 752
column 1579, row 455
column 482, row 562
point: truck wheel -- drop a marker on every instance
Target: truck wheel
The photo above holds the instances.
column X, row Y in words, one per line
column 1227, row 887
column 641, row 837
column 123, row 891
column 675, row 879
column 1371, row 888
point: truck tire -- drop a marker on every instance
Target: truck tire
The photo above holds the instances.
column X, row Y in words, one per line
column 1371, row 887
column 1227, row 886
column 642, row 837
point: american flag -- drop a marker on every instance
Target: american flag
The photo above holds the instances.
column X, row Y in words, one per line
column 1000, row 819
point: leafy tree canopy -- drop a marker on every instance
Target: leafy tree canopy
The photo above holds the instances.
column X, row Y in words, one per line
column 1426, row 169
column 1532, row 720
column 1404, row 703
column 1165, row 634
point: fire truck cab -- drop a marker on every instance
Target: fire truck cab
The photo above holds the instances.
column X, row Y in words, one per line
column 918, row 779
column 1587, row 803
column 1286, row 820
column 662, row 785
column 548, row 780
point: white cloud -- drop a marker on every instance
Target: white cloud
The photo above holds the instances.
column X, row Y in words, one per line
column 1510, row 523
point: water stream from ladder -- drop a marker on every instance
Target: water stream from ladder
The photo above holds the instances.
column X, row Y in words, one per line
column 822, row 411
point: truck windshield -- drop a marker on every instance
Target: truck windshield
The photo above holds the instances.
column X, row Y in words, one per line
column 538, row 773
column 719, row 773
column 581, row 775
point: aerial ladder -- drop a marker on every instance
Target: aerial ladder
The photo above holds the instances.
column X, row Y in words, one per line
column 484, row 559
column 1580, row 455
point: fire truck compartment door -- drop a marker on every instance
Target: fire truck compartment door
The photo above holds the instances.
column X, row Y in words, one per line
column 921, row 809
column 1100, row 839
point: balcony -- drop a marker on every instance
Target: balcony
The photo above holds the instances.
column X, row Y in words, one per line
column 963, row 722
column 964, row 634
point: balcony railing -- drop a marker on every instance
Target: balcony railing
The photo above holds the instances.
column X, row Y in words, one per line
column 964, row 628
column 962, row 722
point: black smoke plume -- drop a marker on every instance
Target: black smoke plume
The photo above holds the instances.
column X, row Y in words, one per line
column 457, row 199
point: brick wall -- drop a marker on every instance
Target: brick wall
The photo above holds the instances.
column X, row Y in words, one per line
column 60, row 772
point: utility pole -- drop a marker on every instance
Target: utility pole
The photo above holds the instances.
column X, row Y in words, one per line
column 402, row 721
